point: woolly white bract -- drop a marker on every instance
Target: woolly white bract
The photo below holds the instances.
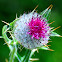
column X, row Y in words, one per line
column 21, row 32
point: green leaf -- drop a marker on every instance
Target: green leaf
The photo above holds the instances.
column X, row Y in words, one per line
column 4, row 31
column 46, row 13
column 44, row 48
column 12, row 23
column 54, row 34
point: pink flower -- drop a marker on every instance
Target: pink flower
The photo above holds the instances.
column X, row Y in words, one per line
column 32, row 30
column 38, row 28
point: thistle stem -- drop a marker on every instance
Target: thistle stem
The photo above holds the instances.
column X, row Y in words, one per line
column 12, row 55
column 18, row 57
column 32, row 52
column 28, row 55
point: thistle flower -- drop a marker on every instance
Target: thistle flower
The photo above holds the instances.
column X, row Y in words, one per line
column 32, row 31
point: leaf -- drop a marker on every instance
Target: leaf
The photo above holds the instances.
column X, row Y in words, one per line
column 4, row 35
column 44, row 48
column 46, row 13
column 54, row 34
column 12, row 23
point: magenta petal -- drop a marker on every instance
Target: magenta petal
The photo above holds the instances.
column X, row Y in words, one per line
column 38, row 28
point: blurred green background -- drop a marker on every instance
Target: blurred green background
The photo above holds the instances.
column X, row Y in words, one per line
column 8, row 10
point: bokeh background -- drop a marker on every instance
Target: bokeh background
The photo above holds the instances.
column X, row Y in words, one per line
column 8, row 10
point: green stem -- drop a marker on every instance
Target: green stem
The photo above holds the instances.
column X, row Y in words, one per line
column 18, row 57
column 27, row 56
column 32, row 52
column 12, row 55
column 26, row 53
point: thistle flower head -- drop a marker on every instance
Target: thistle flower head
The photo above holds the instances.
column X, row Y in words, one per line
column 32, row 30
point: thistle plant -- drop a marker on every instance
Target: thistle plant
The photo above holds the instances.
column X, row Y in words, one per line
column 30, row 31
